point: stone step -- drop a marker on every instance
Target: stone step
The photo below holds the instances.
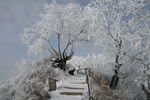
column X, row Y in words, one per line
column 71, row 93
column 78, row 82
column 74, row 88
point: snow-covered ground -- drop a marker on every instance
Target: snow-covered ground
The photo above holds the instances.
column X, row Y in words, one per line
column 72, row 85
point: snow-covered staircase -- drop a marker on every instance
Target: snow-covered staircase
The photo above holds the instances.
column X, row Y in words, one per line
column 71, row 88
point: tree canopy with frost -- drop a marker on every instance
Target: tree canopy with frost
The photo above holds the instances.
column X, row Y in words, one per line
column 68, row 23
column 122, row 28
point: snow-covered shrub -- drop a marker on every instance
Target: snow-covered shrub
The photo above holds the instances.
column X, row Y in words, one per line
column 30, row 84
column 104, row 93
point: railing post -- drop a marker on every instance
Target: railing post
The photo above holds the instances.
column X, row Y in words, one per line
column 88, row 83
column 86, row 75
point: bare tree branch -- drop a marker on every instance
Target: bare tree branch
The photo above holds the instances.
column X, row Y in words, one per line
column 109, row 33
column 140, row 17
column 58, row 39
column 80, row 32
column 68, row 44
column 39, row 36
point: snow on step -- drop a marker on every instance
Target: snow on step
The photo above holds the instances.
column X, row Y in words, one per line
column 70, row 88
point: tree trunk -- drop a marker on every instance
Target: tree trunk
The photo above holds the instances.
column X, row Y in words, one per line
column 115, row 77
column 114, row 81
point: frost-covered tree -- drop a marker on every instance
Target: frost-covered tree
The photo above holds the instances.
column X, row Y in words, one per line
column 121, row 28
column 70, row 26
